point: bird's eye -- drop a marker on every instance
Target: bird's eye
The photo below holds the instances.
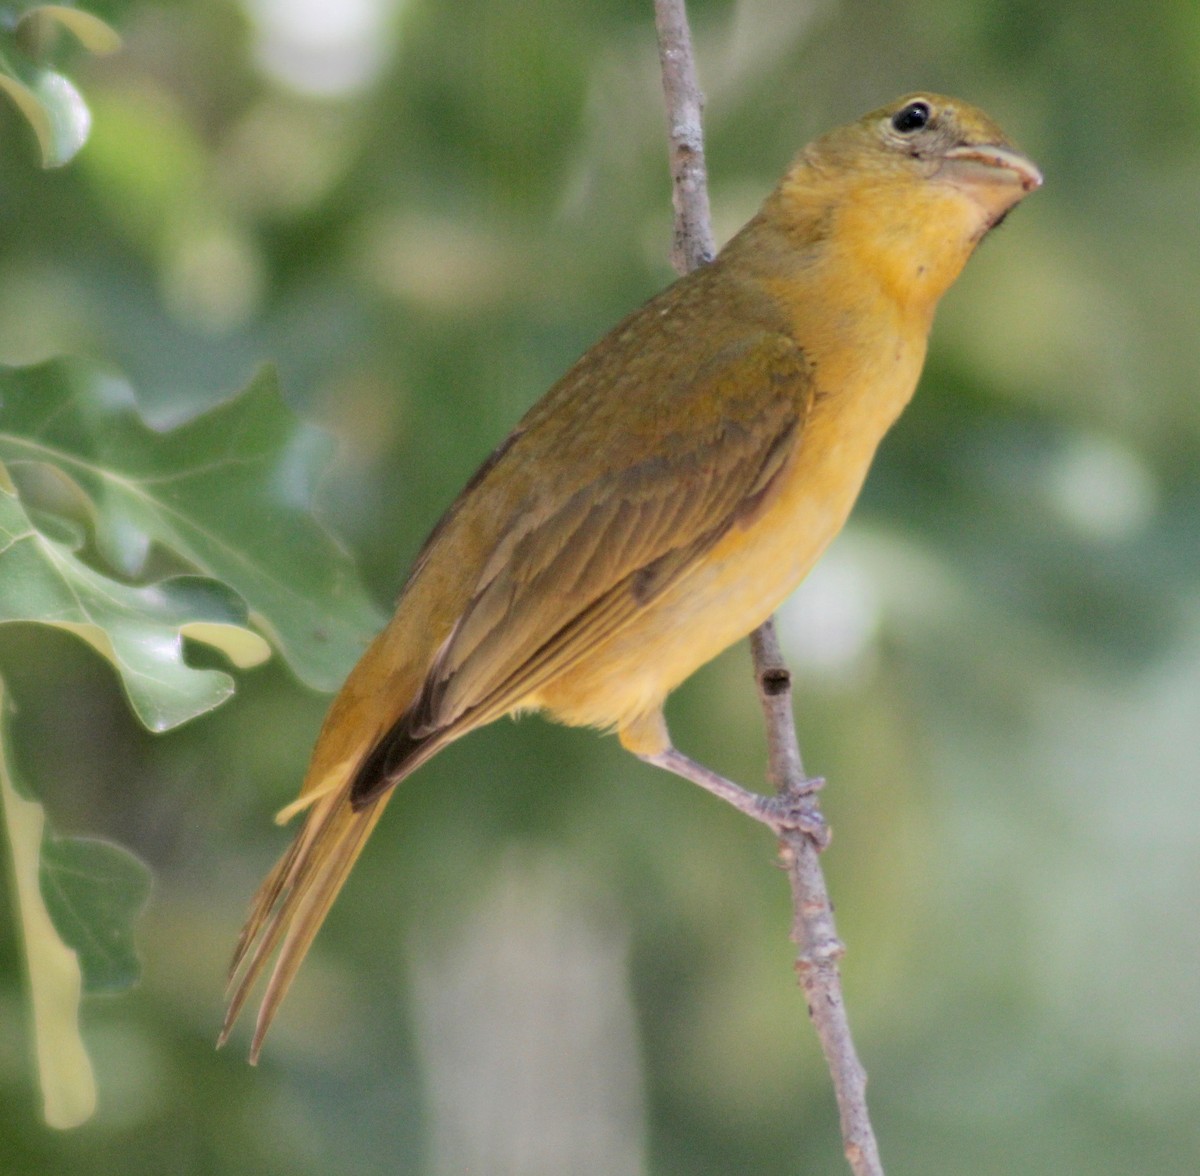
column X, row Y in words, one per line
column 912, row 118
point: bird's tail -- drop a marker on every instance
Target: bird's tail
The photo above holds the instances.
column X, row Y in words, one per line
column 294, row 900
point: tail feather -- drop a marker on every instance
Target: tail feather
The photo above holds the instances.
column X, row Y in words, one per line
column 292, row 903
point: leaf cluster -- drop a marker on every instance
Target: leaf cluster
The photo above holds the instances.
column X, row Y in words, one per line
column 149, row 544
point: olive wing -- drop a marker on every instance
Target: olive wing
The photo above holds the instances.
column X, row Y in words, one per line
column 567, row 575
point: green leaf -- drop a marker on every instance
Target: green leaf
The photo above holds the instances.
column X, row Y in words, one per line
column 39, row 24
column 51, row 104
column 36, row 115
column 229, row 494
column 65, row 1073
column 140, row 630
column 94, row 891
column 68, row 119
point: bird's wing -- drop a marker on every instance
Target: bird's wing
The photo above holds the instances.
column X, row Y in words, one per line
column 567, row 575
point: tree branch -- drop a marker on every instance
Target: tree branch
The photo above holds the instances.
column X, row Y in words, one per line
column 813, row 930
column 693, row 242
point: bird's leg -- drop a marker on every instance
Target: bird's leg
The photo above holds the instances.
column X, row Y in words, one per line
column 786, row 811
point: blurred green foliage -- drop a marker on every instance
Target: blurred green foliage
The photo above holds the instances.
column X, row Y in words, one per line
column 30, row 36
column 142, row 542
column 552, row 959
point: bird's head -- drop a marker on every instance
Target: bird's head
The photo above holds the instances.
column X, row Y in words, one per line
column 909, row 189
column 937, row 141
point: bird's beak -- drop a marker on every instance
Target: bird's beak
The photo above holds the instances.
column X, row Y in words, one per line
column 987, row 164
column 994, row 177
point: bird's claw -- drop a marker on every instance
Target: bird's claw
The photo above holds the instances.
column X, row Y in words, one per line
column 796, row 811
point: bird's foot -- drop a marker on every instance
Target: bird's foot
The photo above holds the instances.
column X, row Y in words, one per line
column 795, row 810
column 787, row 812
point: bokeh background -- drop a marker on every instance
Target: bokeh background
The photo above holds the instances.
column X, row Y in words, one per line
column 551, row 959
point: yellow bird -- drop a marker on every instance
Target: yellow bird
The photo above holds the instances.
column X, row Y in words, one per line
column 663, row 497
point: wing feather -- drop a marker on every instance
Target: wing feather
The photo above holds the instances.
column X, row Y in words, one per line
column 566, row 576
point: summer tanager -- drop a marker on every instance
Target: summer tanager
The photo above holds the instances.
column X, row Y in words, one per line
column 663, row 497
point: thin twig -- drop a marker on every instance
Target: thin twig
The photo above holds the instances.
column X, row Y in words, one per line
column 813, row 930
column 693, row 244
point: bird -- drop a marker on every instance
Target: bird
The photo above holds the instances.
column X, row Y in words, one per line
column 662, row 498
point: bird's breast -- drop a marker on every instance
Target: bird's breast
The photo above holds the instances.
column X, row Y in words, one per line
column 745, row 577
